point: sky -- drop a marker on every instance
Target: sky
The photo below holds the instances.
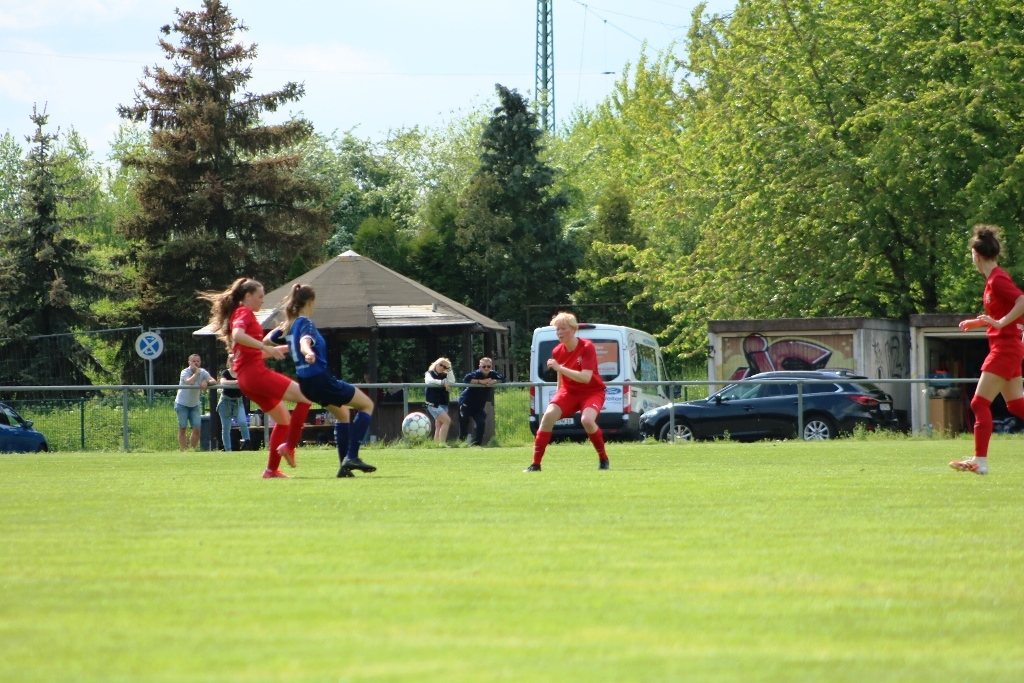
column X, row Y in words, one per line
column 368, row 67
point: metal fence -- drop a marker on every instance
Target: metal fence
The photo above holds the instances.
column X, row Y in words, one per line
column 142, row 417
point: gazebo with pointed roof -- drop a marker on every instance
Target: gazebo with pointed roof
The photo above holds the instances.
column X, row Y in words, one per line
column 358, row 298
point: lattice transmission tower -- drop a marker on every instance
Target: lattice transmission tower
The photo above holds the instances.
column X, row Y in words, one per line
column 544, row 76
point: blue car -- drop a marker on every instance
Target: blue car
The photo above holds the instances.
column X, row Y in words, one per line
column 17, row 435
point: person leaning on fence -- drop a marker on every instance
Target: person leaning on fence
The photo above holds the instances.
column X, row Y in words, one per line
column 232, row 405
column 186, row 401
column 438, row 378
column 472, row 401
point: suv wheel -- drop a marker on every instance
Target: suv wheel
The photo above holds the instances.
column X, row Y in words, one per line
column 683, row 432
column 820, row 428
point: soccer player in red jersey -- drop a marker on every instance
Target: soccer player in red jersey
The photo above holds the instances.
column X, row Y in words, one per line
column 580, row 388
column 233, row 316
column 1001, row 371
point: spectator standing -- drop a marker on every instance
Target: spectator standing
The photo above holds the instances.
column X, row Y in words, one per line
column 232, row 405
column 187, row 400
column 473, row 401
column 438, row 378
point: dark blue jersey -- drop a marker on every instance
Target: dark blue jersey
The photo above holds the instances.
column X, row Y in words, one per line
column 304, row 327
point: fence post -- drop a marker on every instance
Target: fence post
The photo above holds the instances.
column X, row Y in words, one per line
column 672, row 415
column 800, row 410
column 81, row 419
column 124, row 418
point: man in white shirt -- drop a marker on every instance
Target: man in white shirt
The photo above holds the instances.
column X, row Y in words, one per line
column 186, row 402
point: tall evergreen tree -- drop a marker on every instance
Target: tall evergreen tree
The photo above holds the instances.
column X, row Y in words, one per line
column 46, row 275
column 218, row 190
column 509, row 226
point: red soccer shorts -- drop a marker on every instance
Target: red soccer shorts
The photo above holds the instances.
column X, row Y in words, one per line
column 1006, row 364
column 571, row 403
column 263, row 386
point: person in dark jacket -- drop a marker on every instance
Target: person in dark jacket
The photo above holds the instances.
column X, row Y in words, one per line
column 473, row 400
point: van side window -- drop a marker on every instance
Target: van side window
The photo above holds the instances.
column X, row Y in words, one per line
column 648, row 359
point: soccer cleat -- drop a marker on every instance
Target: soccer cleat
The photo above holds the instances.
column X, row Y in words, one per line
column 602, row 464
column 533, row 468
column 970, row 465
column 275, row 474
column 288, row 454
column 345, row 472
column 357, row 464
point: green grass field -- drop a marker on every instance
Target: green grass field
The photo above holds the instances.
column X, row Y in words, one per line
column 858, row 560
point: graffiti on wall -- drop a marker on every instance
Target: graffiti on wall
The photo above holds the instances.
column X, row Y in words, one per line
column 891, row 357
column 759, row 353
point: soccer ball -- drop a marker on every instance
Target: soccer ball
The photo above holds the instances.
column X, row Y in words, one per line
column 416, row 426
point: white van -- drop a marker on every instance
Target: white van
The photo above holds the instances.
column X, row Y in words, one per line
column 623, row 355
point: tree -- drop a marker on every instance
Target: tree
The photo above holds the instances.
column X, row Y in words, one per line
column 608, row 274
column 218, row 189
column 46, row 274
column 10, row 176
column 834, row 155
column 509, row 229
column 382, row 240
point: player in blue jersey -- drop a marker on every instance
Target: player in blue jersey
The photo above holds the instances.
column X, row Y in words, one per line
column 309, row 352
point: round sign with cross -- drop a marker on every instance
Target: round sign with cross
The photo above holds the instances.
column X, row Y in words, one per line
column 149, row 345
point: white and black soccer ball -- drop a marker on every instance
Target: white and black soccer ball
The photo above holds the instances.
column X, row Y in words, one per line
column 416, row 427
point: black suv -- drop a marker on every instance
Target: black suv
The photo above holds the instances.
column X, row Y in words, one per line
column 768, row 410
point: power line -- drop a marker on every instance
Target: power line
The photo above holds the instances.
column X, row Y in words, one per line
column 632, row 16
column 411, row 74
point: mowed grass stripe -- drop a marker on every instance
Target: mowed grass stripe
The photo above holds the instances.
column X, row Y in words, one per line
column 845, row 561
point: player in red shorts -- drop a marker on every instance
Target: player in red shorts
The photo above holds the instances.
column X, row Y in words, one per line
column 580, row 388
column 1001, row 371
column 233, row 315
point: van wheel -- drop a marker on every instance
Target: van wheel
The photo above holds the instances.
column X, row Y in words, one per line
column 683, row 432
column 820, row 428
column 43, row 448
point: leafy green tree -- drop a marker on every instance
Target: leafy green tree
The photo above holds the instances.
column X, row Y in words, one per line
column 10, row 176
column 509, row 229
column 46, row 274
column 436, row 251
column 382, row 240
column 218, row 189
column 833, row 156
column 608, row 283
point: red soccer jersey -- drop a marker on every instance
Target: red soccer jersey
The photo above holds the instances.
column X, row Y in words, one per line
column 583, row 357
column 245, row 356
column 1000, row 296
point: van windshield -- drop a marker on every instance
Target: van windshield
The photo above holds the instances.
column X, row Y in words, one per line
column 607, row 359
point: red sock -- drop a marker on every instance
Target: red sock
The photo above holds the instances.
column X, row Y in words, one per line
column 597, row 438
column 296, row 425
column 982, row 408
column 539, row 444
column 1016, row 407
column 278, row 435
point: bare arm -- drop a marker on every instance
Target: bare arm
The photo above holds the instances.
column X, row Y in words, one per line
column 306, row 344
column 239, row 336
column 581, row 376
column 1015, row 312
